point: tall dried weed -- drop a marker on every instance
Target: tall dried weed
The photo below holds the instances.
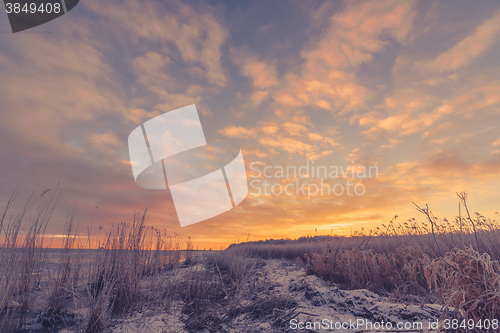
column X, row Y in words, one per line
column 468, row 281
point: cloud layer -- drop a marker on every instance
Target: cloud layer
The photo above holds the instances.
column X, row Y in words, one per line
column 408, row 87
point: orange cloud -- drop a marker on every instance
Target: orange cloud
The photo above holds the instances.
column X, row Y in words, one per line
column 64, row 90
column 327, row 77
column 319, row 137
column 263, row 74
column 107, row 138
column 198, row 36
column 294, row 129
column 270, row 128
column 258, row 96
column 138, row 116
column 238, row 131
column 293, row 146
column 476, row 98
column 468, row 49
column 407, row 113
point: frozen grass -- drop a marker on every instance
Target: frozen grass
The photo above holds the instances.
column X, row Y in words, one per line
column 467, row 281
column 454, row 261
column 394, row 259
column 130, row 253
column 214, row 290
column 400, row 271
column 21, row 259
column 109, row 287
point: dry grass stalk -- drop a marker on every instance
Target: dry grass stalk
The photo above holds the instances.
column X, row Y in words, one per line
column 468, row 281
column 112, row 285
column 125, row 269
column 21, row 259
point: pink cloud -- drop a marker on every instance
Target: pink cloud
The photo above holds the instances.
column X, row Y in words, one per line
column 238, row 131
column 262, row 74
column 353, row 36
column 468, row 49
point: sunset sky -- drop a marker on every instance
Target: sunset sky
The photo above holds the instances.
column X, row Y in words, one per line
column 410, row 87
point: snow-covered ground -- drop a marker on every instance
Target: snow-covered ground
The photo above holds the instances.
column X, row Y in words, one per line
column 317, row 307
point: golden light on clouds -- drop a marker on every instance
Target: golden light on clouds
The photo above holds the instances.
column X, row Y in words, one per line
column 407, row 86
